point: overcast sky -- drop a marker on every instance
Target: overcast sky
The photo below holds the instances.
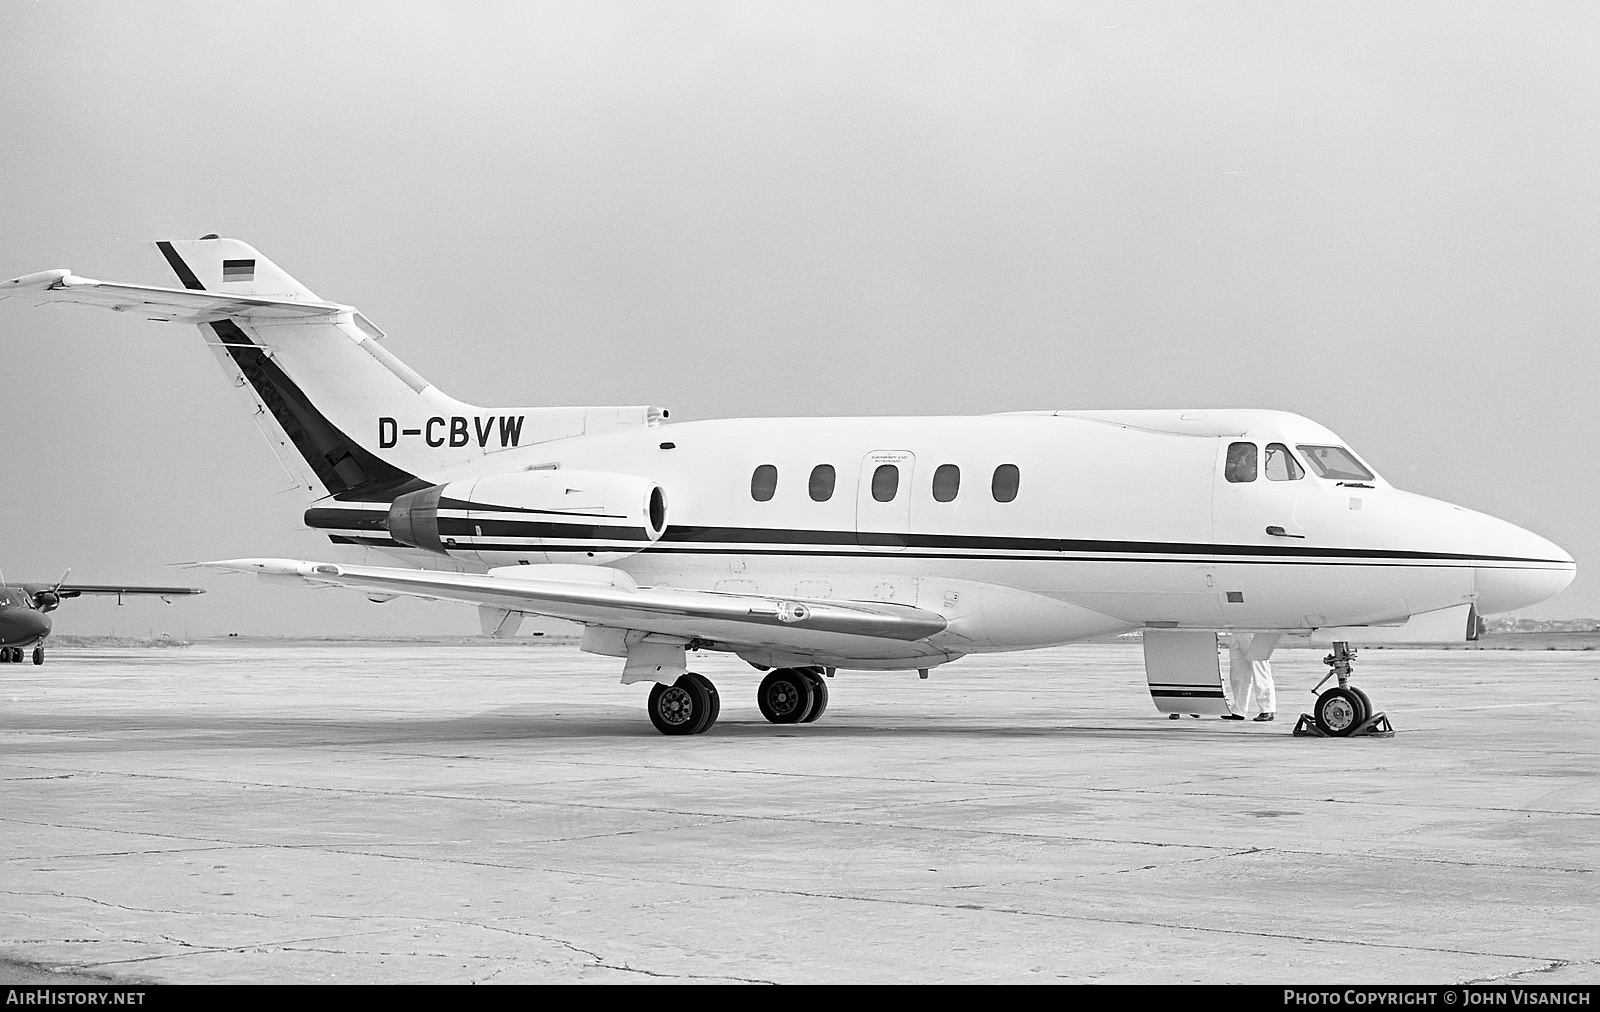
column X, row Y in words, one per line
column 1383, row 216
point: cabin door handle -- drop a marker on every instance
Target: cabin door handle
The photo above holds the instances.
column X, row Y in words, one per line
column 1279, row 532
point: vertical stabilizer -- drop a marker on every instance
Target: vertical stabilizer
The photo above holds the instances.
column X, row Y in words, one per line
column 231, row 267
column 366, row 426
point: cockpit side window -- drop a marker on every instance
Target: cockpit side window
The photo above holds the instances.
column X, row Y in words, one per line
column 1241, row 465
column 1280, row 464
column 1334, row 463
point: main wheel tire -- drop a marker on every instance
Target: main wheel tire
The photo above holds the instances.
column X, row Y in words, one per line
column 819, row 692
column 714, row 709
column 786, row 696
column 14, row 655
column 679, row 708
column 1339, row 712
column 38, row 654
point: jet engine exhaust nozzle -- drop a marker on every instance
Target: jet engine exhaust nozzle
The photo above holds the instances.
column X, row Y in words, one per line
column 414, row 519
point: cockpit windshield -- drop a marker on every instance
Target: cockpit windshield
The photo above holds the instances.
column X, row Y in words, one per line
column 1335, row 463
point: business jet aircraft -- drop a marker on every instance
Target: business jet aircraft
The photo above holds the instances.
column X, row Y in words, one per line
column 805, row 545
column 25, row 608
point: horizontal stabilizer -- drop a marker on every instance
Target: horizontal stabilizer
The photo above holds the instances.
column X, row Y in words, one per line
column 176, row 305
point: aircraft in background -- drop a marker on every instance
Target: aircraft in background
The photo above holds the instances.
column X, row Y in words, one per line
column 25, row 608
column 806, row 545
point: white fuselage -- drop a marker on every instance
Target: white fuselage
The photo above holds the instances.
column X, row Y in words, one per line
column 1125, row 518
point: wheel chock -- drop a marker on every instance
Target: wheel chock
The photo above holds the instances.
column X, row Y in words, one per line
column 1376, row 726
column 1306, row 727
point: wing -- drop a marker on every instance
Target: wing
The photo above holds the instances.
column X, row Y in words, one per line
column 168, row 304
column 80, row 589
column 608, row 598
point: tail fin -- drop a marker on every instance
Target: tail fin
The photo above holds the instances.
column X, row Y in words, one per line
column 365, row 425
column 315, row 377
column 231, row 267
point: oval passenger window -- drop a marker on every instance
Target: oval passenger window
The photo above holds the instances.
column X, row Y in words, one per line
column 946, row 482
column 885, row 482
column 1006, row 480
column 763, row 483
column 822, row 478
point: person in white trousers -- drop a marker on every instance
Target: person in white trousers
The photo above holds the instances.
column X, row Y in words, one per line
column 1250, row 677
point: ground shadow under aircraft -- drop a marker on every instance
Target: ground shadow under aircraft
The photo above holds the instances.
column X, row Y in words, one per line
column 69, row 734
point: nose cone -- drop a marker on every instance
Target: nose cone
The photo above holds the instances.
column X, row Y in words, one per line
column 1518, row 567
column 21, row 626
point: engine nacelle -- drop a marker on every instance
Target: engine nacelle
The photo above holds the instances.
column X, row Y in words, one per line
column 590, row 517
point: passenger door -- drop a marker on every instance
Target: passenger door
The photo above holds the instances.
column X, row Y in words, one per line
column 883, row 499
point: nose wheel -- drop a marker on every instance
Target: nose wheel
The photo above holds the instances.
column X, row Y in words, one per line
column 1344, row 711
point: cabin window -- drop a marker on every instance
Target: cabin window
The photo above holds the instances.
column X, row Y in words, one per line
column 1241, row 464
column 763, row 483
column 946, row 482
column 822, row 479
column 1006, row 480
column 885, row 482
column 1280, row 465
column 1335, row 463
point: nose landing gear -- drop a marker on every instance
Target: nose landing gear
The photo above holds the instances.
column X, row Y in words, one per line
column 1343, row 711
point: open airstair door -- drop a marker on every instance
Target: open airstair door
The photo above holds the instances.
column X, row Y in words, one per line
column 1184, row 673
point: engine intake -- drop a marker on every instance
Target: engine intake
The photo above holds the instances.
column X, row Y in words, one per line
column 584, row 516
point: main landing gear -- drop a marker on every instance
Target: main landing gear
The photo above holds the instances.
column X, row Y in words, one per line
column 691, row 704
column 688, row 706
column 792, row 695
column 1344, row 711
